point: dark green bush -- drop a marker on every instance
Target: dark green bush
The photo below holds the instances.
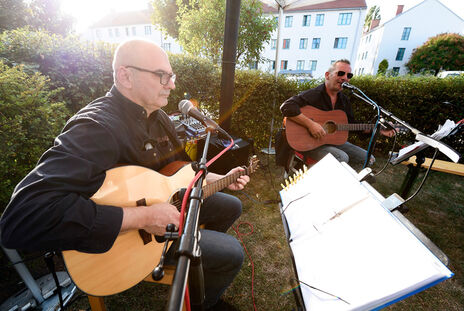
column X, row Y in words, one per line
column 30, row 118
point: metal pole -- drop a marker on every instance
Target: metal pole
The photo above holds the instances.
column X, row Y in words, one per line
column 228, row 62
column 280, row 16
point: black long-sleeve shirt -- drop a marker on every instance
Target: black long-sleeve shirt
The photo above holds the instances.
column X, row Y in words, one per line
column 318, row 98
column 50, row 208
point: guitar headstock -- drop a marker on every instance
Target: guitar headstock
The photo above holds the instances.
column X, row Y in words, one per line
column 253, row 164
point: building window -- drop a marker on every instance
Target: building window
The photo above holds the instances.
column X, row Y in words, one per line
column 316, row 43
column 344, row 19
column 395, row 71
column 110, row 33
column 319, row 19
column 147, row 30
column 299, row 64
column 167, row 46
column 134, row 31
column 98, row 33
column 253, row 65
column 273, row 64
column 332, row 61
column 313, row 65
column 340, row 43
column 116, row 32
column 306, row 20
column 406, row 32
column 303, row 43
column 288, row 21
column 127, row 32
column 365, row 55
column 400, row 54
column 283, row 64
column 273, row 44
column 286, row 44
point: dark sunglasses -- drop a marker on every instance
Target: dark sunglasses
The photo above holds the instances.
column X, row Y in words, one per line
column 342, row 73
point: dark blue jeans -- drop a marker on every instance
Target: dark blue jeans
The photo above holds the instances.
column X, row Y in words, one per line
column 221, row 254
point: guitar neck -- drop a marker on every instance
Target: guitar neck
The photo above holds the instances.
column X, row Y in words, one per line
column 220, row 184
column 355, row 127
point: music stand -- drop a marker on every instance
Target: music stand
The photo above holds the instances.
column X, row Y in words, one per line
column 423, row 143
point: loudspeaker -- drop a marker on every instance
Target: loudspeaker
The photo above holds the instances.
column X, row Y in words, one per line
column 236, row 156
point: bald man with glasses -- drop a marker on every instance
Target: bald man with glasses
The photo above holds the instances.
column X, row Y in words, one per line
column 51, row 208
column 327, row 97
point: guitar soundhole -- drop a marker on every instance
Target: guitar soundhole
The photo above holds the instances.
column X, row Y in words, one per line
column 330, row 127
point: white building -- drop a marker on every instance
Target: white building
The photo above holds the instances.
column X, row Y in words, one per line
column 314, row 36
column 396, row 39
column 118, row 27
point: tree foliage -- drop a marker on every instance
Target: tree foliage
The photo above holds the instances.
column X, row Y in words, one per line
column 442, row 52
column 383, row 66
column 199, row 27
column 37, row 14
column 374, row 13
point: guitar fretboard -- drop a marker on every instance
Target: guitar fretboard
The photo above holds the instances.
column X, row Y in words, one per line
column 354, row 127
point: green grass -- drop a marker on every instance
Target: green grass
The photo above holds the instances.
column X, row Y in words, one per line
column 438, row 211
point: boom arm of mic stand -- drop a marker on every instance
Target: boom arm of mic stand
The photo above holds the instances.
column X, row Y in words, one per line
column 444, row 148
column 389, row 114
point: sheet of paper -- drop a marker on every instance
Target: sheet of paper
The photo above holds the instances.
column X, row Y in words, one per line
column 350, row 252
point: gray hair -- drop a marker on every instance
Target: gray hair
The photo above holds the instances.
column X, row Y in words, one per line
column 332, row 67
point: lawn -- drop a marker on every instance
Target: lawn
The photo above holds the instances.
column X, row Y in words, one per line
column 437, row 211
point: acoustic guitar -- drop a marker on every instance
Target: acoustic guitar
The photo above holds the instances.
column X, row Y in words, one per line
column 135, row 253
column 334, row 122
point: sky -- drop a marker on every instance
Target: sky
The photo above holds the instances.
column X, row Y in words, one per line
column 87, row 12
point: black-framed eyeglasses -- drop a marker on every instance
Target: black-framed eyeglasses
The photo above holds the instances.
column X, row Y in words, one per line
column 349, row 75
column 164, row 76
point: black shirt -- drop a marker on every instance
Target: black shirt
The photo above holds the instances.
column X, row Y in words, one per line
column 318, row 98
column 50, row 208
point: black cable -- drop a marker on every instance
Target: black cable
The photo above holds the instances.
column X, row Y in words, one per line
column 391, row 154
column 425, row 177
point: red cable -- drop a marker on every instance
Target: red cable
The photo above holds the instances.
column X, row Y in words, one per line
column 184, row 205
column 237, row 231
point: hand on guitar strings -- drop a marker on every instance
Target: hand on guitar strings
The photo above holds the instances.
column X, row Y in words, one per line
column 152, row 218
column 316, row 130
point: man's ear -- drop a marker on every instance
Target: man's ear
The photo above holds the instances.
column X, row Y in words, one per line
column 124, row 77
column 327, row 74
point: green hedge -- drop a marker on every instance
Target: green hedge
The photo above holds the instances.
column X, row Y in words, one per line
column 30, row 118
column 33, row 111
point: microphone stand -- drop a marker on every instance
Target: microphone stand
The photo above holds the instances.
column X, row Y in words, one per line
column 189, row 252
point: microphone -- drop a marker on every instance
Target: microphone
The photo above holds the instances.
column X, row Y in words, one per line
column 348, row 86
column 187, row 108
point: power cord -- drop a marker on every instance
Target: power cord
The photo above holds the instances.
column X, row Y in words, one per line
column 240, row 235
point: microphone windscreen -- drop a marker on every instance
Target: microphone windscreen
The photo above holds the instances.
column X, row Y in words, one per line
column 184, row 106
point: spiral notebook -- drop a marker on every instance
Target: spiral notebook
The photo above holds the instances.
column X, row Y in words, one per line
column 350, row 253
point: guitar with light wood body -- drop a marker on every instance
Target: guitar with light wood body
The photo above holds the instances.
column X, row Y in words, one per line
column 135, row 253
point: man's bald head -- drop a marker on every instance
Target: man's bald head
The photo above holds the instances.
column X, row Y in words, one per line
column 136, row 52
column 138, row 66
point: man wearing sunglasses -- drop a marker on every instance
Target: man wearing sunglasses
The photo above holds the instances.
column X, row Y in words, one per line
column 327, row 97
column 50, row 208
